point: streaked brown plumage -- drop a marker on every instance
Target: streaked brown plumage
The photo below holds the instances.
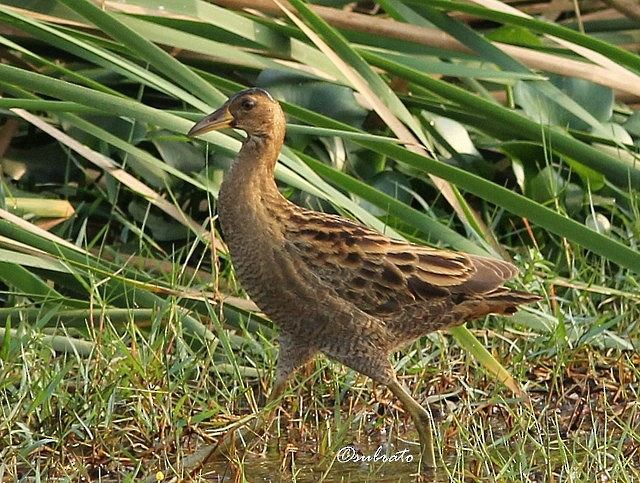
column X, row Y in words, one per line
column 332, row 285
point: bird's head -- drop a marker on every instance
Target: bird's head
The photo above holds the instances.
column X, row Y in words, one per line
column 252, row 110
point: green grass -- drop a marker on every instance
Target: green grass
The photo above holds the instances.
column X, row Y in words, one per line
column 146, row 394
column 126, row 343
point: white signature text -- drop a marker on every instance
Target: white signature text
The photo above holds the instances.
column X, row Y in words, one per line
column 348, row 454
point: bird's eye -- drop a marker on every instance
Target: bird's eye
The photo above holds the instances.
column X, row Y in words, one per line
column 248, row 104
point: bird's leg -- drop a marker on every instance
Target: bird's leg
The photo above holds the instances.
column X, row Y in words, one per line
column 290, row 358
column 421, row 420
column 381, row 371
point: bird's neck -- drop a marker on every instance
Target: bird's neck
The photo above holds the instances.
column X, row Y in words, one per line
column 249, row 194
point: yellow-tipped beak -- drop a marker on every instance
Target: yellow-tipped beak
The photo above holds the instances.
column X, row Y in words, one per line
column 220, row 119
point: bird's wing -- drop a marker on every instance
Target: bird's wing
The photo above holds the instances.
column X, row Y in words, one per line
column 380, row 275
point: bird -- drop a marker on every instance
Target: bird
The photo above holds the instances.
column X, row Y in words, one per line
column 332, row 285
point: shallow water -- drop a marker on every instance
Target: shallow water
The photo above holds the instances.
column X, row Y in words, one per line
column 357, row 463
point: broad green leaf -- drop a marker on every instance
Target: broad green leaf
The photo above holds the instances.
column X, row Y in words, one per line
column 546, row 186
column 337, row 102
column 632, row 125
column 182, row 155
column 598, row 100
column 391, row 183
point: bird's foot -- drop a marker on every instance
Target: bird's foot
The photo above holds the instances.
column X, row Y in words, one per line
column 425, row 433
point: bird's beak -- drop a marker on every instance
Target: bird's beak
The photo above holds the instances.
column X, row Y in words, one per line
column 220, row 119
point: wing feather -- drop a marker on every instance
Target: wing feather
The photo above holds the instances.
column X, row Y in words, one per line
column 380, row 275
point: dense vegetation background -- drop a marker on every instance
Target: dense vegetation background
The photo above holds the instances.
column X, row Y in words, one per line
column 509, row 129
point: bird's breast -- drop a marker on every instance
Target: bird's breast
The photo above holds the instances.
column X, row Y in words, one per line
column 277, row 282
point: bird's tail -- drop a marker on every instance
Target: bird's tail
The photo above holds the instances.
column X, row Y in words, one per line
column 505, row 301
column 502, row 301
